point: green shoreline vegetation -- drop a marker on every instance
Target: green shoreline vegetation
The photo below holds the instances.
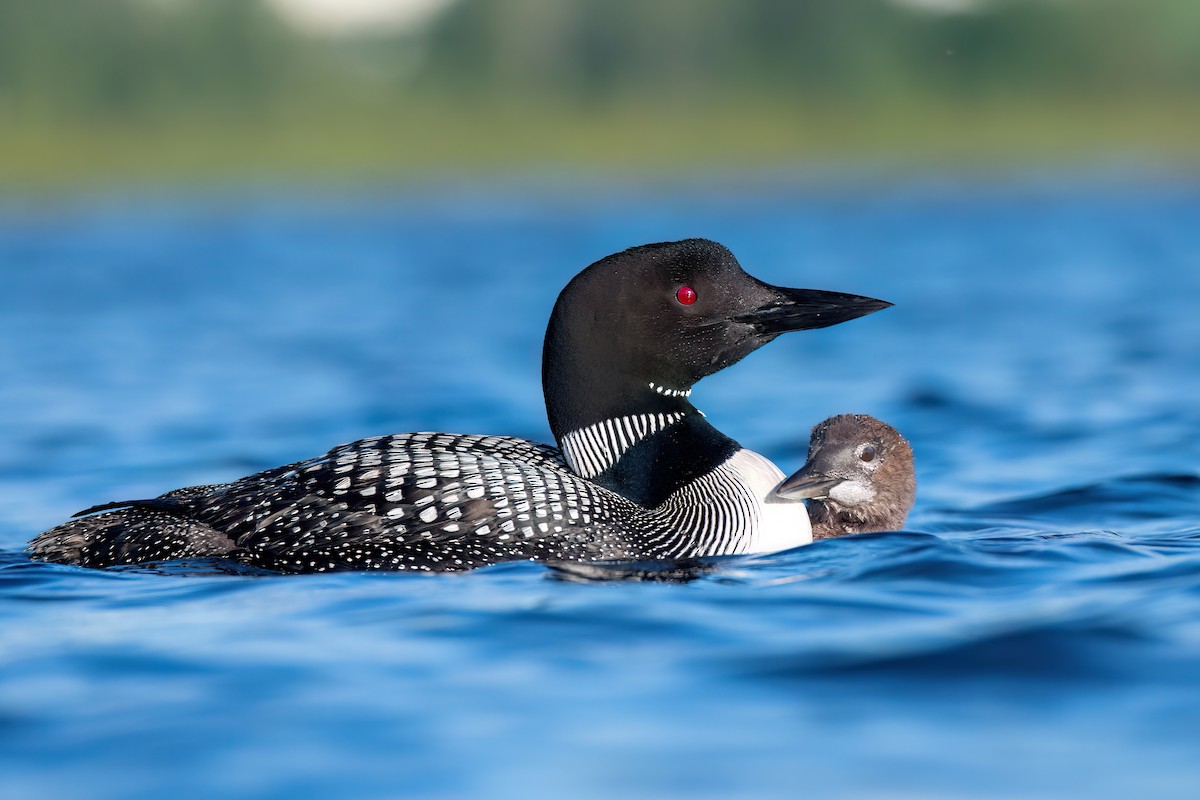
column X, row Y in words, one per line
column 135, row 91
column 434, row 142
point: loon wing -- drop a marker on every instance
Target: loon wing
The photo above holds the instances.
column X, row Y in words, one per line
column 418, row 501
column 414, row 501
column 426, row 501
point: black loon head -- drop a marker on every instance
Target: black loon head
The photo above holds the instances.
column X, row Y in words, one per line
column 859, row 476
column 634, row 331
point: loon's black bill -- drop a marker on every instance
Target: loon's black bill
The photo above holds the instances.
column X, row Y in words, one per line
column 806, row 484
column 807, row 309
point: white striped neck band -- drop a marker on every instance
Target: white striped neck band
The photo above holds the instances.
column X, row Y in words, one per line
column 591, row 450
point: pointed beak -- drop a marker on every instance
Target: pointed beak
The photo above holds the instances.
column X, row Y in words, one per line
column 806, row 483
column 806, row 309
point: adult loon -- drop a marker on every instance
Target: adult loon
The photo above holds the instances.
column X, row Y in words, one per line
column 858, row 478
column 640, row 474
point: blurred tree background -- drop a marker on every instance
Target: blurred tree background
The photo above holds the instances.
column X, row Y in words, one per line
column 130, row 90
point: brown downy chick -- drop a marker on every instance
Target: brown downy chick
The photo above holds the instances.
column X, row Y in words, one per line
column 858, row 479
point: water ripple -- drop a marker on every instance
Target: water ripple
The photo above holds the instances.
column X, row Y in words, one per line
column 1036, row 631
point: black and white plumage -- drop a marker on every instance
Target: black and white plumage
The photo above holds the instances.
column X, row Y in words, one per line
column 423, row 501
column 641, row 474
column 859, row 477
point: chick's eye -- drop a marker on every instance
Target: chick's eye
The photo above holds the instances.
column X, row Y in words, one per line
column 867, row 453
column 686, row 295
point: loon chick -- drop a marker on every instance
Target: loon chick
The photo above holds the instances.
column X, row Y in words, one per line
column 640, row 474
column 858, row 479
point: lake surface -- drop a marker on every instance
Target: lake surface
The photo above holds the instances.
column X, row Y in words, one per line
column 1035, row 632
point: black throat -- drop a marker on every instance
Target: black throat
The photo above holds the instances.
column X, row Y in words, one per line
column 644, row 445
column 662, row 463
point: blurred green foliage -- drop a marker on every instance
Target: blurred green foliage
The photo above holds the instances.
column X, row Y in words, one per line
column 101, row 89
column 839, row 50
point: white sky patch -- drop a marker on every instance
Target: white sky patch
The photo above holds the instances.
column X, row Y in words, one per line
column 340, row 17
column 944, row 6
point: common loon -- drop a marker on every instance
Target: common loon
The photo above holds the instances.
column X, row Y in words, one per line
column 858, row 478
column 640, row 474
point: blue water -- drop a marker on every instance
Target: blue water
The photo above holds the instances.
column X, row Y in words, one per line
column 1035, row 632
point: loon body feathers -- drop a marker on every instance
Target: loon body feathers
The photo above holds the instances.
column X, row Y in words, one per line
column 435, row 501
column 641, row 473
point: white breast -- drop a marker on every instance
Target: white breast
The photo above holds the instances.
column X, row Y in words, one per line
column 781, row 523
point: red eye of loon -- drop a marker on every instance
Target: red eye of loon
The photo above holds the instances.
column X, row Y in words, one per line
column 686, row 295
